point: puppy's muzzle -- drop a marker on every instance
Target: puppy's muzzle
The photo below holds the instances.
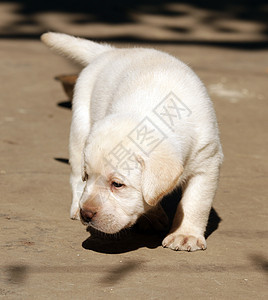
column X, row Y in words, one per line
column 86, row 216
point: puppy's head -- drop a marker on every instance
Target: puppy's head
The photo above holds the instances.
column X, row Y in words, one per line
column 125, row 173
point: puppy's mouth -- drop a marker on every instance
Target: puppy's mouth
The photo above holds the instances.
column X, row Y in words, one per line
column 91, row 228
column 104, row 225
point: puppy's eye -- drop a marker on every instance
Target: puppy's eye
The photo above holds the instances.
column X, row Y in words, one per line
column 117, row 184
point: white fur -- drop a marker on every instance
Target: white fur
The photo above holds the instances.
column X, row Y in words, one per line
column 118, row 89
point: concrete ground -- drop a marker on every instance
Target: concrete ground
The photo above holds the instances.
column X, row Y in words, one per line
column 46, row 255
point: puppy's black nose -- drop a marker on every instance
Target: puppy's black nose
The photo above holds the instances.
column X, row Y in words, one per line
column 87, row 215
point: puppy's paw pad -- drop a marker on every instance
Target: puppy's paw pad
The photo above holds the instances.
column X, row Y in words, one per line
column 185, row 242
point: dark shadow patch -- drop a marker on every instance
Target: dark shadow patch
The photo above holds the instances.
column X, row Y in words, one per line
column 121, row 242
column 260, row 262
column 119, row 12
column 17, row 274
column 179, row 29
column 10, row 142
column 62, row 160
column 213, row 222
column 227, row 30
column 116, row 273
column 24, row 22
column 65, row 104
column 238, row 45
column 170, row 203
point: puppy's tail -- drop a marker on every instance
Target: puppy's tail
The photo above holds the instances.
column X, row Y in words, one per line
column 80, row 50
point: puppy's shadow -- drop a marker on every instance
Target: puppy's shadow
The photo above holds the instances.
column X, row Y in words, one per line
column 134, row 238
column 65, row 104
column 123, row 242
column 62, row 160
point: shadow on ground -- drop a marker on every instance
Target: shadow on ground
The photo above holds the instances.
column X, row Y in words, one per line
column 18, row 274
column 212, row 14
column 65, row 104
column 260, row 262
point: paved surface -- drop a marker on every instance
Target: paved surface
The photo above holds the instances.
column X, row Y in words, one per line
column 46, row 255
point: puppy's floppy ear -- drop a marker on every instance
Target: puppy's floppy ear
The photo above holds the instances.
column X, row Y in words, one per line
column 160, row 173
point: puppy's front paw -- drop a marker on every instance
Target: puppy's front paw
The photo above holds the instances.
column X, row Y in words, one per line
column 74, row 213
column 184, row 242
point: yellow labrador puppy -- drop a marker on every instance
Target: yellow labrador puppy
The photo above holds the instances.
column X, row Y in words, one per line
column 142, row 125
